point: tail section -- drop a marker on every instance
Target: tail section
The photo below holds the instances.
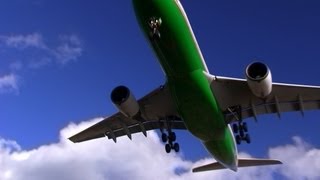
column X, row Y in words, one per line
column 241, row 163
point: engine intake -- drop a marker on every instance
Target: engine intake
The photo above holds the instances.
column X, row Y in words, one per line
column 259, row 79
column 125, row 101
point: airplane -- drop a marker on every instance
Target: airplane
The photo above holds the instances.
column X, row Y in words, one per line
column 212, row 108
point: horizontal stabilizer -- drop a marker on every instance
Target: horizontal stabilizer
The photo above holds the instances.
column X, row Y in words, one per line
column 241, row 163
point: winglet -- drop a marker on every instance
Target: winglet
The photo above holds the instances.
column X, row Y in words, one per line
column 241, row 163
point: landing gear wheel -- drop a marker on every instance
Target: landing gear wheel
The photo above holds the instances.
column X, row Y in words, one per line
column 245, row 127
column 164, row 137
column 247, row 139
column 235, row 128
column 168, row 148
column 176, row 147
column 172, row 136
column 238, row 139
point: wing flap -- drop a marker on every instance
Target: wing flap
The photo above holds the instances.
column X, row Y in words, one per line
column 104, row 129
column 284, row 98
column 241, row 163
column 155, row 108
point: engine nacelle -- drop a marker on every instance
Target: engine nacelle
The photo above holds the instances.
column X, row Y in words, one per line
column 259, row 79
column 125, row 101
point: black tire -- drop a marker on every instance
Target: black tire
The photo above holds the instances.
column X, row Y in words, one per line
column 168, row 148
column 172, row 136
column 245, row 127
column 164, row 137
column 235, row 128
column 176, row 147
column 248, row 139
column 238, row 139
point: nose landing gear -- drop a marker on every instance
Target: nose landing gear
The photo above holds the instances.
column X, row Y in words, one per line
column 154, row 25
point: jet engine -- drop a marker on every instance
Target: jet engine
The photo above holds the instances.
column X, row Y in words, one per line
column 125, row 101
column 259, row 79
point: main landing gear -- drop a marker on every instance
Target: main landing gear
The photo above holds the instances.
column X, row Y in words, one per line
column 154, row 25
column 240, row 129
column 169, row 138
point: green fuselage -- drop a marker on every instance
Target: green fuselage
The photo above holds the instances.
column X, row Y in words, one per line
column 185, row 69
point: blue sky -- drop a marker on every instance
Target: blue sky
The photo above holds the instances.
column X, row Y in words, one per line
column 61, row 59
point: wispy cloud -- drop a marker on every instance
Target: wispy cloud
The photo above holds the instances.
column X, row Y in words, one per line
column 141, row 158
column 37, row 51
column 33, row 51
column 69, row 50
column 33, row 40
column 8, row 83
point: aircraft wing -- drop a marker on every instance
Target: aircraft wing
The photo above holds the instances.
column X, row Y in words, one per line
column 154, row 107
column 232, row 92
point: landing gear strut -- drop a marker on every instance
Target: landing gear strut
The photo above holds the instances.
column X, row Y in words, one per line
column 169, row 138
column 154, row 25
column 240, row 129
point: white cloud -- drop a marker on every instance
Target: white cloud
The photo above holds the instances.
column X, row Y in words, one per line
column 69, row 50
column 8, row 83
column 38, row 53
column 34, row 40
column 8, row 146
column 31, row 51
column 141, row 158
column 303, row 160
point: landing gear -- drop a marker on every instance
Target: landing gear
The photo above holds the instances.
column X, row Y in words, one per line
column 170, row 137
column 164, row 137
column 235, row 128
column 245, row 127
column 241, row 128
column 154, row 25
column 238, row 139
column 247, row 139
column 176, row 147
column 168, row 148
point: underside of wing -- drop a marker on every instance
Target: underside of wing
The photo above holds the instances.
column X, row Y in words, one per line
column 232, row 92
column 156, row 112
column 119, row 125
